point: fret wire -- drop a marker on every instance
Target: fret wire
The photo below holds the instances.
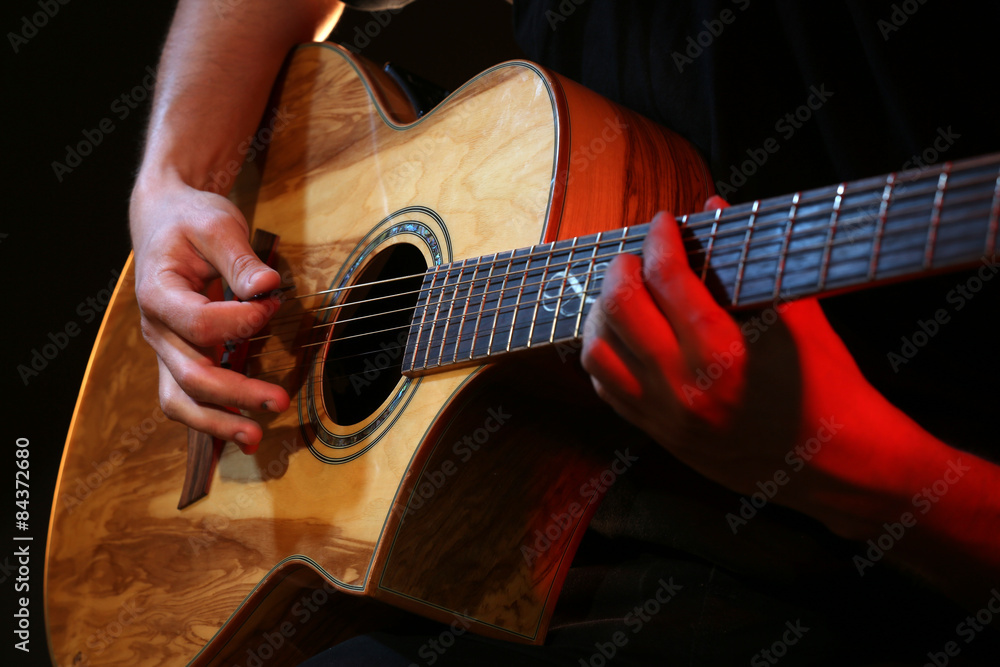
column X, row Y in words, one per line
column 746, row 249
column 541, row 289
column 838, row 243
column 423, row 319
column 430, row 336
column 783, row 253
column 897, row 232
column 718, row 217
column 482, row 307
column 451, row 308
column 831, row 241
column 591, row 267
column 991, row 231
column 758, row 238
column 594, row 272
column 701, row 221
column 936, row 215
column 465, row 310
column 883, row 214
column 517, row 302
column 824, row 266
column 562, row 289
column 711, row 244
column 496, row 315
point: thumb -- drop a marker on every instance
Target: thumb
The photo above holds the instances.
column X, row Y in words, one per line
column 227, row 248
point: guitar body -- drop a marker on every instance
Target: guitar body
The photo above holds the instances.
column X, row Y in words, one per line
column 373, row 492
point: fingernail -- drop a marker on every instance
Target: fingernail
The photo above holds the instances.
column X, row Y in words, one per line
column 269, row 405
column 241, row 438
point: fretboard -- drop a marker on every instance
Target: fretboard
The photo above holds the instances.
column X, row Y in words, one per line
column 750, row 255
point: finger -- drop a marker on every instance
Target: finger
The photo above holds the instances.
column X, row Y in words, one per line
column 225, row 245
column 715, row 202
column 636, row 321
column 196, row 374
column 702, row 327
column 616, row 376
column 196, row 318
column 213, row 420
column 623, row 405
column 607, row 367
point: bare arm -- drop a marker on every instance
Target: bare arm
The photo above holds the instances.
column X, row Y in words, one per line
column 788, row 407
column 217, row 69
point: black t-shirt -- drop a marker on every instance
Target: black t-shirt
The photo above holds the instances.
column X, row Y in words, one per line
column 894, row 83
column 897, row 84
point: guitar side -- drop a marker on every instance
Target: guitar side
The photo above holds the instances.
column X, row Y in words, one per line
column 515, row 157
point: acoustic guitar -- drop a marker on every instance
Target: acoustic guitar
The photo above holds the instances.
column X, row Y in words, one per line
column 443, row 453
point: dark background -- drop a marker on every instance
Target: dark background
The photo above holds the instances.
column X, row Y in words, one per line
column 64, row 241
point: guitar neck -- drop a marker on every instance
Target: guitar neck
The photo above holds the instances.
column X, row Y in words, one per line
column 815, row 242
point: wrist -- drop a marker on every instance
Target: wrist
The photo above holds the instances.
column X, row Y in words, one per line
column 871, row 476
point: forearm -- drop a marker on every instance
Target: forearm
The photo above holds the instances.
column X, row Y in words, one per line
column 216, row 72
column 924, row 506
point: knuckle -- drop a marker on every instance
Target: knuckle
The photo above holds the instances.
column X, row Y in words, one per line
column 146, row 295
column 200, row 330
column 601, row 390
column 243, row 264
column 147, row 329
column 169, row 407
column 169, row 402
column 714, row 321
column 187, row 377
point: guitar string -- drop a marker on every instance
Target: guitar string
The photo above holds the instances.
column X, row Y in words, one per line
column 445, row 319
column 522, row 278
column 693, row 222
column 845, row 221
column 461, row 336
column 699, row 221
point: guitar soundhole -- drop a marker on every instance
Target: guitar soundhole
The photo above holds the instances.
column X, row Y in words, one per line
column 365, row 354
